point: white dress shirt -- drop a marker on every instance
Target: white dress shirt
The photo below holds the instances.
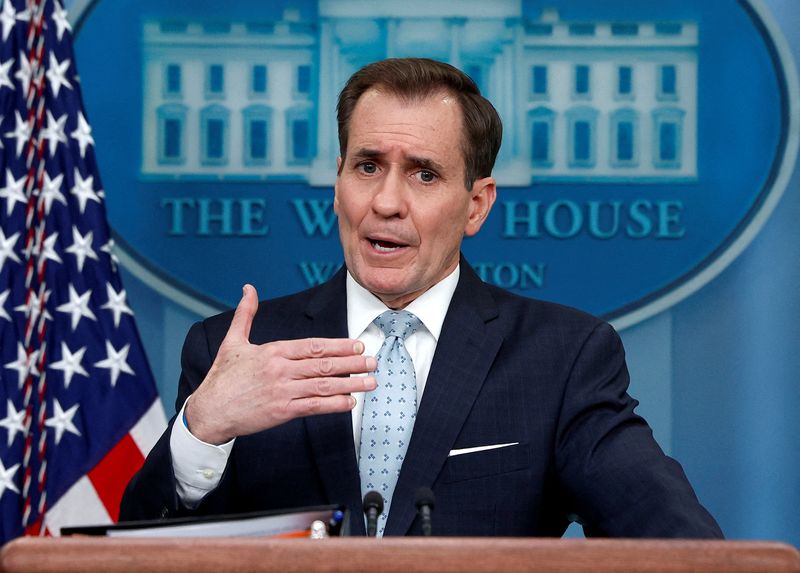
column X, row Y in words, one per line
column 198, row 466
column 430, row 307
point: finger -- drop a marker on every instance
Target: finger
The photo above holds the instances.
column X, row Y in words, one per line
column 329, row 366
column 332, row 386
column 239, row 330
column 318, row 347
column 320, row 405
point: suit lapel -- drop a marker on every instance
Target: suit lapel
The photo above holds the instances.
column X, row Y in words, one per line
column 331, row 435
column 464, row 354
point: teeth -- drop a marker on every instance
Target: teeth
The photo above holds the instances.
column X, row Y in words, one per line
column 383, row 249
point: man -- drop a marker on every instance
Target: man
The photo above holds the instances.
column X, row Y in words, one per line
column 519, row 409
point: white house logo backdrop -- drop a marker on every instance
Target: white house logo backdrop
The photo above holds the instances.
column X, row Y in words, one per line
column 645, row 143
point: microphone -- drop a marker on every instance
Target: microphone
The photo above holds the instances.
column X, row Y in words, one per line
column 424, row 501
column 373, row 507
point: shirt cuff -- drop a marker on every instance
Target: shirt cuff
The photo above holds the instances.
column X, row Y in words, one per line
column 198, row 466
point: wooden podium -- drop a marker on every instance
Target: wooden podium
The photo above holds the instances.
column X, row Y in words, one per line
column 400, row 555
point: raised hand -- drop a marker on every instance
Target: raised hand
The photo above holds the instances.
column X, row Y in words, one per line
column 251, row 387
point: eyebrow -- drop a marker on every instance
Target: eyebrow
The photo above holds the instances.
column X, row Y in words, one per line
column 366, row 153
column 425, row 163
column 421, row 162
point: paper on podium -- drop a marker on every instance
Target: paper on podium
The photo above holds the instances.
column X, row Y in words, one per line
column 270, row 523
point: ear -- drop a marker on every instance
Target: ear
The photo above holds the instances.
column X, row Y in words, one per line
column 482, row 197
column 336, row 185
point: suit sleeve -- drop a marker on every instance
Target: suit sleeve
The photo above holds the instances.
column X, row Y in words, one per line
column 618, row 480
column 151, row 493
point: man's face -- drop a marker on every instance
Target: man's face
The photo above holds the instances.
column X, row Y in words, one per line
column 400, row 197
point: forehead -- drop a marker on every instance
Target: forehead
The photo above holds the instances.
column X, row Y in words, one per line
column 383, row 120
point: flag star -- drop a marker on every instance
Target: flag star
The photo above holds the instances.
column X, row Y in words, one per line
column 62, row 421
column 116, row 361
column 108, row 248
column 78, row 306
column 51, row 191
column 3, row 299
column 81, row 247
column 8, row 17
column 24, row 364
column 82, row 134
column 61, row 21
column 12, row 192
column 56, row 73
column 22, row 132
column 49, row 251
column 4, row 69
column 34, row 306
column 24, row 73
column 25, row 15
column 116, row 303
column 7, row 476
column 13, row 422
column 7, row 248
column 70, row 363
column 54, row 132
column 84, row 190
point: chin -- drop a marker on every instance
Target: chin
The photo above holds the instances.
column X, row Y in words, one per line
column 381, row 283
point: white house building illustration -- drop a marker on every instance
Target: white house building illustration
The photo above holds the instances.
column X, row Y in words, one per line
column 580, row 100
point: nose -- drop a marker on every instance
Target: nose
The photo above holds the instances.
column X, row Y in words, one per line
column 391, row 197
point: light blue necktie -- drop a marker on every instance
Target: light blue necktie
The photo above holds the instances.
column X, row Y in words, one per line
column 389, row 410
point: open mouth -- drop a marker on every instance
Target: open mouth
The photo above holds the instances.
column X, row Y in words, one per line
column 385, row 246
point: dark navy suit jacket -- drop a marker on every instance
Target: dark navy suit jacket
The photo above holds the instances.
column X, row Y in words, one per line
column 506, row 369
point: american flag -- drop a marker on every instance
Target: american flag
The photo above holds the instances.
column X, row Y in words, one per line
column 78, row 405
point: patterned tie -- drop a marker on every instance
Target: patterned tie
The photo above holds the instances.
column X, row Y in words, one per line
column 389, row 410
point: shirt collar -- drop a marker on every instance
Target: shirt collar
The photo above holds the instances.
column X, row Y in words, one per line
column 430, row 307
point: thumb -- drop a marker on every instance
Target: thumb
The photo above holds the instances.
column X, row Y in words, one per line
column 239, row 330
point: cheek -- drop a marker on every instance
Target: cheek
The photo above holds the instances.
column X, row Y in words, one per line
column 444, row 231
column 346, row 213
column 456, row 221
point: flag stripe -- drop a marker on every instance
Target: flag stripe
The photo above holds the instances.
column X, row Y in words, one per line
column 114, row 471
column 149, row 427
column 79, row 506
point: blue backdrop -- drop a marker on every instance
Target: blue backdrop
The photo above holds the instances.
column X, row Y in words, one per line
column 718, row 374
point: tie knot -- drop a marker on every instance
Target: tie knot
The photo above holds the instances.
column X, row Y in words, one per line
column 399, row 323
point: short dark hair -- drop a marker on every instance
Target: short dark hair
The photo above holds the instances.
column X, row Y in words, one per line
column 418, row 78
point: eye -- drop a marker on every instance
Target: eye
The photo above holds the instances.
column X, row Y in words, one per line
column 426, row 176
column 367, row 167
